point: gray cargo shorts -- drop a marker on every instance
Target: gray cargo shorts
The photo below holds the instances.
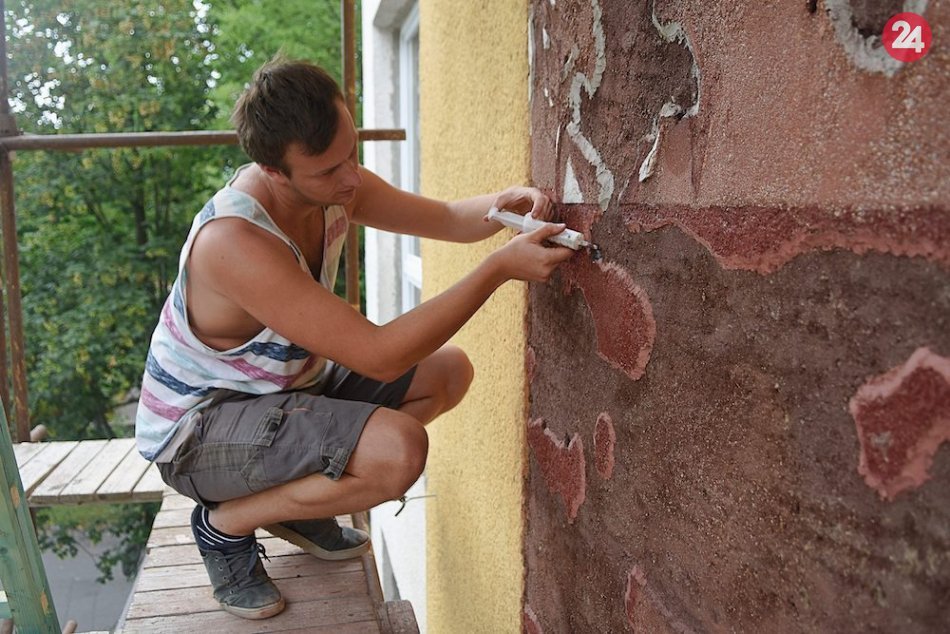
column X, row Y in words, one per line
column 243, row 443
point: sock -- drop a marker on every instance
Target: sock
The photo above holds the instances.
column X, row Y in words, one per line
column 210, row 538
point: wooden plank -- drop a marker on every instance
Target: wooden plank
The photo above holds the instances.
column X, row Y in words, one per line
column 291, row 621
column 35, row 471
column 398, row 618
column 194, row 575
column 299, row 612
column 176, row 501
column 26, row 450
column 188, row 553
column 121, row 482
column 337, row 588
column 175, row 517
column 48, row 491
column 83, row 487
column 150, row 488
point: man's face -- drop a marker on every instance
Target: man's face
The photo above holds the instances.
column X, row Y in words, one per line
column 329, row 178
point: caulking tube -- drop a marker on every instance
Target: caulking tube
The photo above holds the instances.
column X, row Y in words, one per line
column 567, row 238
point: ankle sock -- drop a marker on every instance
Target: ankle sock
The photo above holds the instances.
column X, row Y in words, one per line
column 210, row 538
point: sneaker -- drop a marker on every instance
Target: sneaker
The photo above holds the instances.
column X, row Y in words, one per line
column 324, row 538
column 241, row 584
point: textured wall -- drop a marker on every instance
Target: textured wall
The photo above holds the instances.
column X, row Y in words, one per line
column 475, row 118
column 739, row 417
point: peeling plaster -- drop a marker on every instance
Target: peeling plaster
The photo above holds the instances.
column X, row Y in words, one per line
column 562, row 464
column 636, row 582
column 604, row 440
column 623, row 316
column 763, row 239
column 866, row 53
column 572, row 189
column 605, row 177
column 902, row 417
column 531, row 623
column 674, row 33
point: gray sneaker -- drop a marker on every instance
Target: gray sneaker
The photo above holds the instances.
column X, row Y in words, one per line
column 241, row 584
column 323, row 538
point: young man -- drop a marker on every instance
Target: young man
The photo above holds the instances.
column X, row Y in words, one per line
column 266, row 398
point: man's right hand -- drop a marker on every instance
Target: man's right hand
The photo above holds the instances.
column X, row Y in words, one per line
column 527, row 257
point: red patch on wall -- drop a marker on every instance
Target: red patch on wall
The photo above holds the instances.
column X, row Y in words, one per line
column 636, row 582
column 531, row 624
column 763, row 239
column 562, row 465
column 902, row 417
column 604, row 440
column 623, row 316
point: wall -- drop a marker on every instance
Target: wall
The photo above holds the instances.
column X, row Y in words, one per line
column 474, row 131
column 738, row 417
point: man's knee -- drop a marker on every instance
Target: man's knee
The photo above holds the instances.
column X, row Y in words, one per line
column 459, row 376
column 392, row 451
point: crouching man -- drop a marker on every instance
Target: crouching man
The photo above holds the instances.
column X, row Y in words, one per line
column 266, row 398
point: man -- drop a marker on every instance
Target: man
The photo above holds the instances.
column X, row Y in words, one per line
column 266, row 398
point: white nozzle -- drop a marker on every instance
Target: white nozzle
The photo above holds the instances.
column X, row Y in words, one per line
column 567, row 238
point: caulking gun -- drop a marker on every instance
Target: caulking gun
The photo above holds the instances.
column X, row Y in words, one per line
column 567, row 238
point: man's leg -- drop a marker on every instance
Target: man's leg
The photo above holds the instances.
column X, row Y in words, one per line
column 439, row 384
column 389, row 456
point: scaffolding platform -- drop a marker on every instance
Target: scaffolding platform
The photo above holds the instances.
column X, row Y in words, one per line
column 84, row 471
column 172, row 592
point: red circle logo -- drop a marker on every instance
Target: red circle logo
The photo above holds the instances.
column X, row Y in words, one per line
column 907, row 37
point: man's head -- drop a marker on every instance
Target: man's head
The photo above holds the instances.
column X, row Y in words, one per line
column 288, row 102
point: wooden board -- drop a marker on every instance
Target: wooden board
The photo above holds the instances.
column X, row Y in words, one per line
column 121, row 482
column 35, row 471
column 84, row 484
column 49, row 490
column 24, row 451
column 150, row 488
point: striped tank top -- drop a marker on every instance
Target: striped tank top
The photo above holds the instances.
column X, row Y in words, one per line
column 182, row 373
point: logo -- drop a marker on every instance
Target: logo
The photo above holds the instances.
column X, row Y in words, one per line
column 907, row 37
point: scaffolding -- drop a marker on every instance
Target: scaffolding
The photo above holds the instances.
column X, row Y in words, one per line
column 27, row 599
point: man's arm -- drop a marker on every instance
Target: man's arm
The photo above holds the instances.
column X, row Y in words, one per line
column 257, row 272
column 378, row 204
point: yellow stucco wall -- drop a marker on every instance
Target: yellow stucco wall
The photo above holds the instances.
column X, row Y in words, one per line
column 474, row 135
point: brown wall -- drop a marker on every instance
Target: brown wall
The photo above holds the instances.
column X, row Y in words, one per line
column 738, row 417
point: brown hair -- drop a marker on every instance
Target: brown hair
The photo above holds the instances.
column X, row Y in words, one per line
column 287, row 101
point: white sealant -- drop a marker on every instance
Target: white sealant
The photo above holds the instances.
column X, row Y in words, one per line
column 867, row 53
column 572, row 189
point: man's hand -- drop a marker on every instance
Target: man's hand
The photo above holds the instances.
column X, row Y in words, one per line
column 526, row 257
column 525, row 200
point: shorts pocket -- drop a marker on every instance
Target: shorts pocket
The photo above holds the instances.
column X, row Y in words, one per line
column 268, row 427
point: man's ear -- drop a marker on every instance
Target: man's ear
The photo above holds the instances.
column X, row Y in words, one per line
column 275, row 173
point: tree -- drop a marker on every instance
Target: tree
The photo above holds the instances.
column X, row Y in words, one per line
column 99, row 231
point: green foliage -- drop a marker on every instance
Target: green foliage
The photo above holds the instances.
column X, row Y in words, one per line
column 99, row 231
column 57, row 529
column 247, row 33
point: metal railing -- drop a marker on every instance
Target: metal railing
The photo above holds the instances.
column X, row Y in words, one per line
column 11, row 310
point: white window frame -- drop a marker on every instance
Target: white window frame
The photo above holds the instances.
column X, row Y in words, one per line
column 409, row 151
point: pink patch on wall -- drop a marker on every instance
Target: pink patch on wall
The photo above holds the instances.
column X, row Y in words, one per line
column 636, row 582
column 902, row 417
column 763, row 239
column 562, row 465
column 604, row 440
column 530, row 363
column 531, row 623
column 623, row 316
